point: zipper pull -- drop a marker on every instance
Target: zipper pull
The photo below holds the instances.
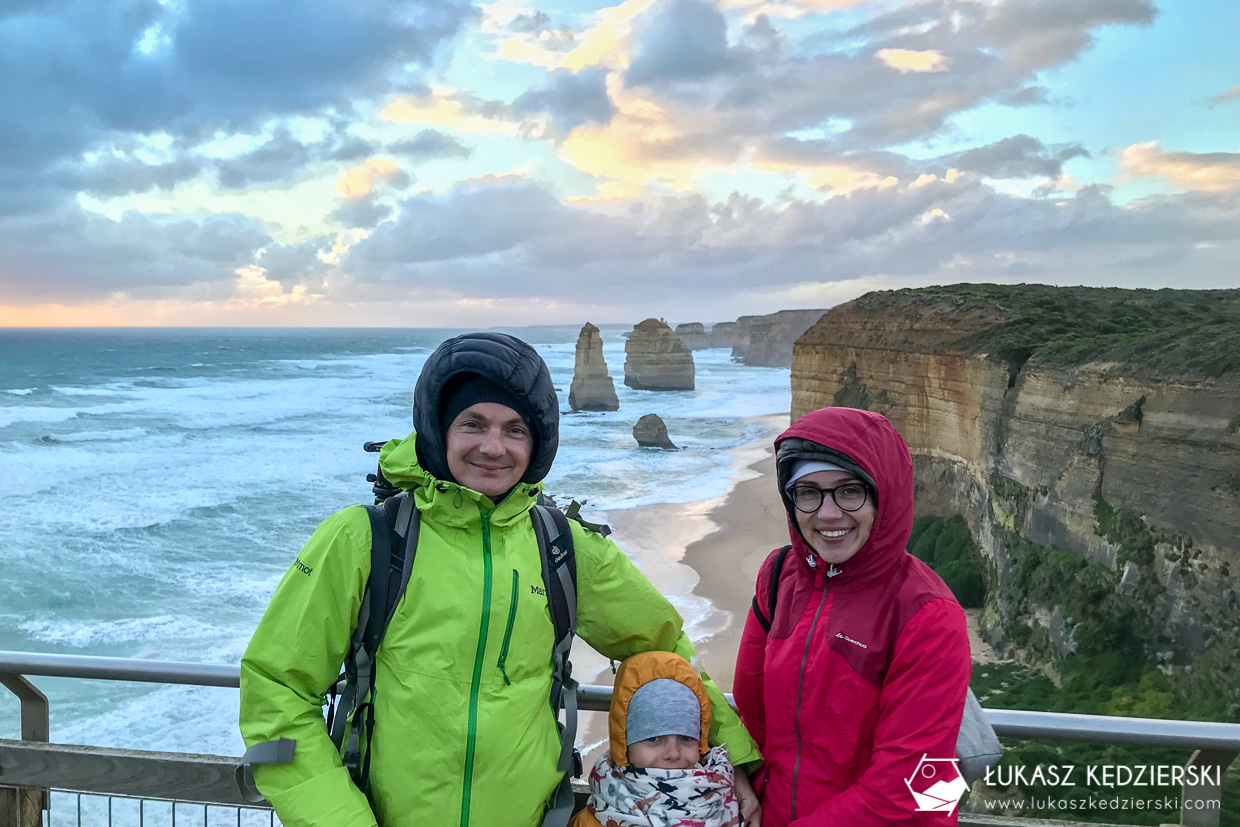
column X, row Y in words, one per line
column 504, row 672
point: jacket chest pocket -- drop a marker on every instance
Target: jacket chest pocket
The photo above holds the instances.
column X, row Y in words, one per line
column 522, row 625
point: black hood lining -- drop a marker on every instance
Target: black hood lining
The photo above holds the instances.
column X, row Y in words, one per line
column 508, row 362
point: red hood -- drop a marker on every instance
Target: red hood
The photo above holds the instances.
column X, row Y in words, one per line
column 870, row 442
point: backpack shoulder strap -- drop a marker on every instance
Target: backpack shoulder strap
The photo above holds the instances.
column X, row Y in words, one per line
column 765, row 619
column 559, row 569
column 393, row 545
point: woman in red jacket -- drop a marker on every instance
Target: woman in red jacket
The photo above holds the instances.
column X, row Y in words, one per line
column 854, row 685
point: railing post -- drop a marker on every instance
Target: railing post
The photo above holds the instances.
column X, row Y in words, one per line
column 24, row 806
column 1201, row 804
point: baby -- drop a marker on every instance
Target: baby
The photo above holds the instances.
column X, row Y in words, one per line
column 659, row 771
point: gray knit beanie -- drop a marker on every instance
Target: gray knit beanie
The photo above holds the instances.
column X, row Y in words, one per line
column 663, row 707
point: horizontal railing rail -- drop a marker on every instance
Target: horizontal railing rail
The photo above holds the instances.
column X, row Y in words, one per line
column 1215, row 744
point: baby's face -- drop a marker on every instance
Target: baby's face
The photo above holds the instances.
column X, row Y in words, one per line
column 665, row 752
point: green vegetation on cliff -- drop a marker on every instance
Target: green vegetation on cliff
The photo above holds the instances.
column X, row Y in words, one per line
column 1169, row 332
column 947, row 547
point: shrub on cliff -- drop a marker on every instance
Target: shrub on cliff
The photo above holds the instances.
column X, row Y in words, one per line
column 948, row 548
column 1168, row 332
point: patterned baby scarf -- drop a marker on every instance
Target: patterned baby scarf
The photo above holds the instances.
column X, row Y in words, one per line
column 701, row 796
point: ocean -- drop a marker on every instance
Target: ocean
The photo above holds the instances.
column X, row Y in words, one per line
column 155, row 484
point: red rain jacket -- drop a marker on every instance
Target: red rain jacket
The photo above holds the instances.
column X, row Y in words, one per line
column 863, row 673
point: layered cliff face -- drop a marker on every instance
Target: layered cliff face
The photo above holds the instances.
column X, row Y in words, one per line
column 655, row 360
column 592, row 388
column 693, row 334
column 766, row 341
column 1133, row 471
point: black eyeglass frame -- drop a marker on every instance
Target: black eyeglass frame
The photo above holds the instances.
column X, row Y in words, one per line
column 822, row 496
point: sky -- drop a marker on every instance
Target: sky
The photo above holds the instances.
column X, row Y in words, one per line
column 432, row 163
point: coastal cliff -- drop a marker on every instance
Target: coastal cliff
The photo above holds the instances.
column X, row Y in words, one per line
column 766, row 341
column 1089, row 438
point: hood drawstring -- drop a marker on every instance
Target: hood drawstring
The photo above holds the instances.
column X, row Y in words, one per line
column 457, row 499
column 812, row 561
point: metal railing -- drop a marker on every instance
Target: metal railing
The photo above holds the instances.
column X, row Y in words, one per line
column 32, row 766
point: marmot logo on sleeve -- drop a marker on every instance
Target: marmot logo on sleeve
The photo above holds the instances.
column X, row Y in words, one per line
column 538, row 590
column 302, row 567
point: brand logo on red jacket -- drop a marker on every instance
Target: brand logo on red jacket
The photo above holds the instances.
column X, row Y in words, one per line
column 936, row 785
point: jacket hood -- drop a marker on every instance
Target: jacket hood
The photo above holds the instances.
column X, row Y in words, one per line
column 639, row 670
column 508, row 362
column 869, row 442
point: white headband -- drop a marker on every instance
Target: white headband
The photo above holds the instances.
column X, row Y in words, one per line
column 810, row 466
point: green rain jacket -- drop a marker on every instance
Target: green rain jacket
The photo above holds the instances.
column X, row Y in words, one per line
column 464, row 733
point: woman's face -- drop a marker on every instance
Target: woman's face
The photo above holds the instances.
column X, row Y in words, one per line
column 836, row 535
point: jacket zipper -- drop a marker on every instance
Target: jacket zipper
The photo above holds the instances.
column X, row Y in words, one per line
column 472, row 736
column 796, row 718
column 512, row 615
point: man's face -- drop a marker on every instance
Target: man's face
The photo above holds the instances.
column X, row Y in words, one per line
column 489, row 448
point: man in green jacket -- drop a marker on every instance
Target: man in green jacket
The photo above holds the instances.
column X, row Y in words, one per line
column 464, row 734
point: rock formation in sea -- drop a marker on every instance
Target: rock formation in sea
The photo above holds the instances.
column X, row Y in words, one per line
column 721, row 334
column 651, row 432
column 693, row 334
column 655, row 360
column 592, row 388
column 1094, row 456
column 766, row 341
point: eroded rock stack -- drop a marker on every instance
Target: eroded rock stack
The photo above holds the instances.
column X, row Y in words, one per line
column 721, row 334
column 651, row 432
column 693, row 334
column 592, row 388
column 655, row 360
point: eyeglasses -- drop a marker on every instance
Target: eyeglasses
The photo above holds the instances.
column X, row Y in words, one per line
column 849, row 497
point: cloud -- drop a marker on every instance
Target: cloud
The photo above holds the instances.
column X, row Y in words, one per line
column 86, row 255
column 362, row 179
column 451, row 109
column 527, row 37
column 364, row 212
column 1232, row 94
column 510, row 237
column 1205, row 172
column 569, row 99
column 428, row 144
column 475, row 218
column 908, row 60
column 124, row 97
column 682, row 40
column 1019, row 156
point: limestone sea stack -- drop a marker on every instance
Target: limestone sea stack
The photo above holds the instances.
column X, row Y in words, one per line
column 693, row 334
column 592, row 388
column 721, row 334
column 655, row 360
column 651, row 432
